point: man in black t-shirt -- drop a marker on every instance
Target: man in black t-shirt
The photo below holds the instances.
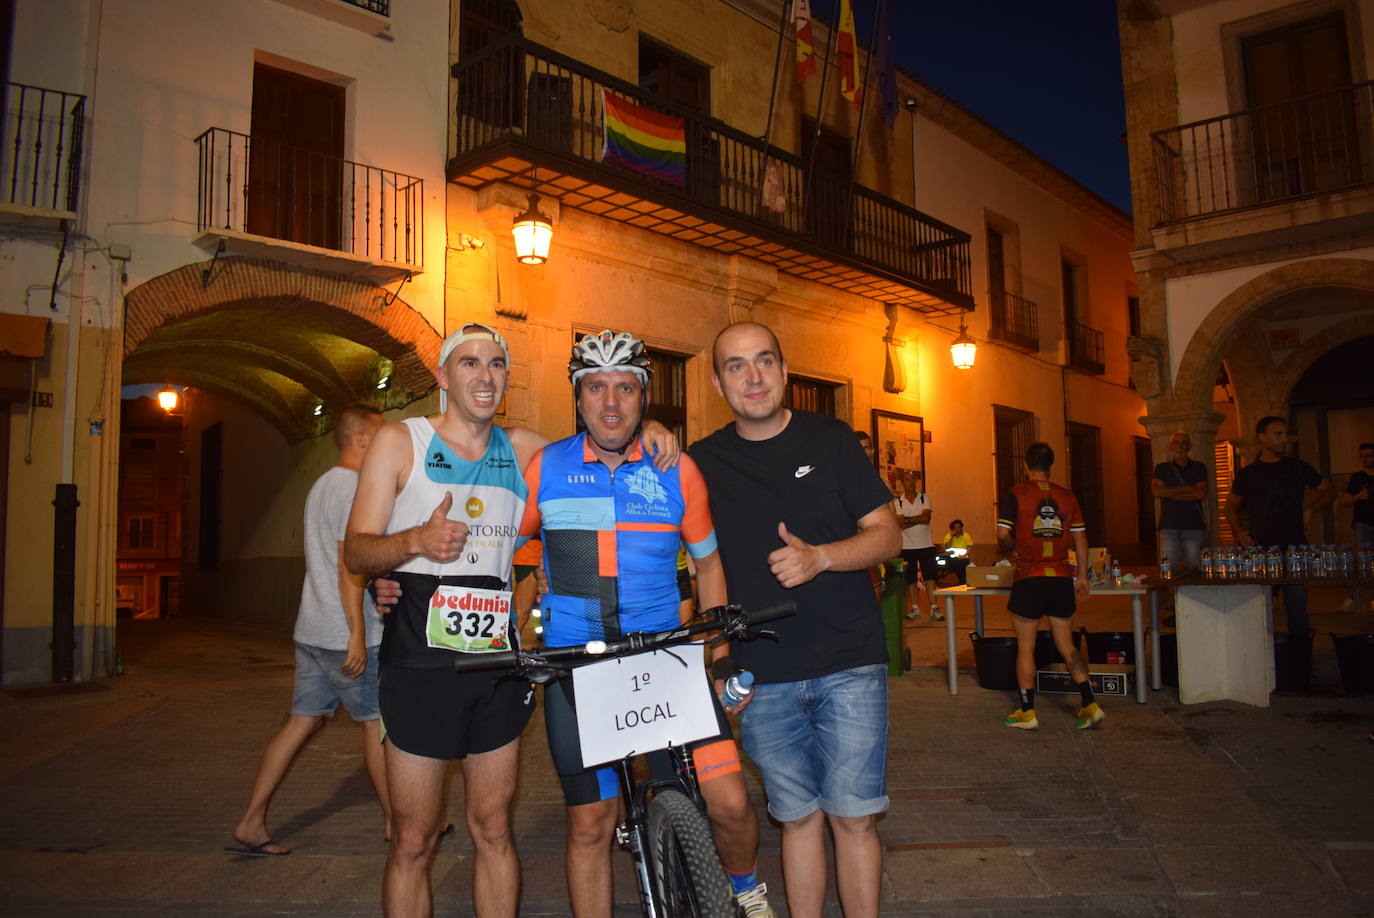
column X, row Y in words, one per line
column 801, row 514
column 1181, row 486
column 1272, row 492
column 1359, row 495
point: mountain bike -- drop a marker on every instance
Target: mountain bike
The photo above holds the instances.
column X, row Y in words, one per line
column 665, row 827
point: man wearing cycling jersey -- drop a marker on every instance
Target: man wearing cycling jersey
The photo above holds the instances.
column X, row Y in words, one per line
column 438, row 501
column 611, row 525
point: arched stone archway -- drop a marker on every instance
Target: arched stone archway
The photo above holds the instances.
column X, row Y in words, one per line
column 1318, row 346
column 280, row 337
column 1192, row 388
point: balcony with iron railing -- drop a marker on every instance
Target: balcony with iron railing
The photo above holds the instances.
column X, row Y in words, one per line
column 1086, row 350
column 535, row 118
column 272, row 200
column 1273, row 154
column 1013, row 320
column 40, row 154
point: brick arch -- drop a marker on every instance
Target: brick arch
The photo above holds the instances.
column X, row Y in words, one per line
column 352, row 309
column 1198, row 370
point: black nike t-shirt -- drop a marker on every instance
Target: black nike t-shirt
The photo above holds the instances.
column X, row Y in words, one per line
column 815, row 477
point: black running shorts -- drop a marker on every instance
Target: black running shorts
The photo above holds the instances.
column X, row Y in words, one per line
column 1037, row 596
column 442, row 714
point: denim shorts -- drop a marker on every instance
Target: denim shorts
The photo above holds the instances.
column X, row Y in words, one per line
column 320, row 686
column 821, row 744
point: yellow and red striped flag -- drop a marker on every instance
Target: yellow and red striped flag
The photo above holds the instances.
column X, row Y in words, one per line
column 849, row 56
column 806, row 45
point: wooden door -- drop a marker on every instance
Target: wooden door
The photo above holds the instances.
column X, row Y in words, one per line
column 295, row 162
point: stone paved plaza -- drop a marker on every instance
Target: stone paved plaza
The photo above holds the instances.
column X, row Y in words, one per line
column 119, row 796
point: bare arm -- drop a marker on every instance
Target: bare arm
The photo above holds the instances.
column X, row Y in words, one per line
column 367, row 550
column 797, row 562
column 1232, row 512
column 1005, row 543
column 351, row 589
column 1322, row 495
column 1080, row 546
column 1179, row 492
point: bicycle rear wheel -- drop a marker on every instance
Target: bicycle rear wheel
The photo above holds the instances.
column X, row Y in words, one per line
column 685, row 869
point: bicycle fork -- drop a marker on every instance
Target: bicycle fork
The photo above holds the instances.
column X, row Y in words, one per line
column 632, row 835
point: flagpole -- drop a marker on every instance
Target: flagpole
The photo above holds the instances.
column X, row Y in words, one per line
column 772, row 98
column 820, row 106
column 863, row 112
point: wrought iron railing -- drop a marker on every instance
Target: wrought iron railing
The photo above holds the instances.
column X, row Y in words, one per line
column 1085, row 349
column 516, row 88
column 381, row 7
column 1307, row 146
column 271, row 189
column 40, row 153
column 1013, row 320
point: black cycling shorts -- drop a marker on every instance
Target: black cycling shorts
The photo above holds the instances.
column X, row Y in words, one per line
column 441, row 714
column 925, row 558
column 589, row 785
column 1037, row 596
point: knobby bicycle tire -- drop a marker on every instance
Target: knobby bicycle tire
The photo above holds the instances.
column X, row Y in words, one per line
column 684, row 866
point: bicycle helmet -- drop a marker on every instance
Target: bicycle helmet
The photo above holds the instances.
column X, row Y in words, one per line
column 608, row 350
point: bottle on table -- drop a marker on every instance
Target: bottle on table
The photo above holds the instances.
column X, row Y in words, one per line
column 1166, row 570
column 1116, row 573
column 1208, row 567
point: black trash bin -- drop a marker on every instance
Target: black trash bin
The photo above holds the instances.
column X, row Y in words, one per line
column 1293, row 661
column 1111, row 647
column 995, row 660
column 1355, row 657
column 1168, row 658
column 1045, row 651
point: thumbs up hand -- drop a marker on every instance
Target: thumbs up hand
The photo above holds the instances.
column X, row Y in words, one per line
column 797, row 562
column 440, row 538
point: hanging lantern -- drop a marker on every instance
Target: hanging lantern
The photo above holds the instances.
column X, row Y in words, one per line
column 168, row 399
column 533, row 233
column 964, row 350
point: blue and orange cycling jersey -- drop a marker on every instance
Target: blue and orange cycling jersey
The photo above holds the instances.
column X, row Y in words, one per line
column 611, row 539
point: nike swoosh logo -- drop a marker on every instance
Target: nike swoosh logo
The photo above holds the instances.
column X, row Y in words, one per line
column 804, row 470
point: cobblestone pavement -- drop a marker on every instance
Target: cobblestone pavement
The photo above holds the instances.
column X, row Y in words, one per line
column 118, row 797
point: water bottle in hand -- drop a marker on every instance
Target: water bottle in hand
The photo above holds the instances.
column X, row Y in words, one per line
column 737, row 690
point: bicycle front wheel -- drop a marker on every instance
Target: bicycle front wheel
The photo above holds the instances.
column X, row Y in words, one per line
column 686, row 873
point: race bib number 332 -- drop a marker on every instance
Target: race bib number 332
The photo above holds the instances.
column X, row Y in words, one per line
column 468, row 620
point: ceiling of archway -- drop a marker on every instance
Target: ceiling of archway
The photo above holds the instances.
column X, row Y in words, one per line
column 276, row 362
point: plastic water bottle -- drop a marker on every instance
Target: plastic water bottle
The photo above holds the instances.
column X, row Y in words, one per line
column 1166, row 570
column 1116, row 573
column 737, row 690
column 1208, row 568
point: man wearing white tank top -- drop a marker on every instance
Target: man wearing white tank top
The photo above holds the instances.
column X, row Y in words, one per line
column 454, row 597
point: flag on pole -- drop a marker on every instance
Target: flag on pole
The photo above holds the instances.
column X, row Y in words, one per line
column 643, row 140
column 806, row 45
column 887, row 70
column 849, row 56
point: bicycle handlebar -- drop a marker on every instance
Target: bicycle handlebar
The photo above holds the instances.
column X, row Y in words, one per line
column 733, row 620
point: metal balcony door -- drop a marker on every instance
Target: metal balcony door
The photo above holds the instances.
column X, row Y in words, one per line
column 1301, row 145
column 295, row 159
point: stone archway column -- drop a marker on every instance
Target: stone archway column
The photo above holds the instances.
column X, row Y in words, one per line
column 1201, row 426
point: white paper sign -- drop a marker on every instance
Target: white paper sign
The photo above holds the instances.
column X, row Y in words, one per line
column 633, row 705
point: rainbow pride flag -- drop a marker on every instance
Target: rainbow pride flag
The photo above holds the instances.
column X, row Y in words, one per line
column 644, row 141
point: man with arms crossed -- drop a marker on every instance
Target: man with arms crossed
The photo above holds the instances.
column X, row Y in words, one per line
column 1035, row 523
column 337, row 636
column 802, row 514
column 1181, row 486
column 612, row 525
column 417, row 473
column 1274, row 491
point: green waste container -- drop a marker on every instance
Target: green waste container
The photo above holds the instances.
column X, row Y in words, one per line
column 890, row 604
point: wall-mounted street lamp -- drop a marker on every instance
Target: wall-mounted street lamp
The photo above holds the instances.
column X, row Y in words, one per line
column 533, row 233
column 964, row 350
column 168, row 399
